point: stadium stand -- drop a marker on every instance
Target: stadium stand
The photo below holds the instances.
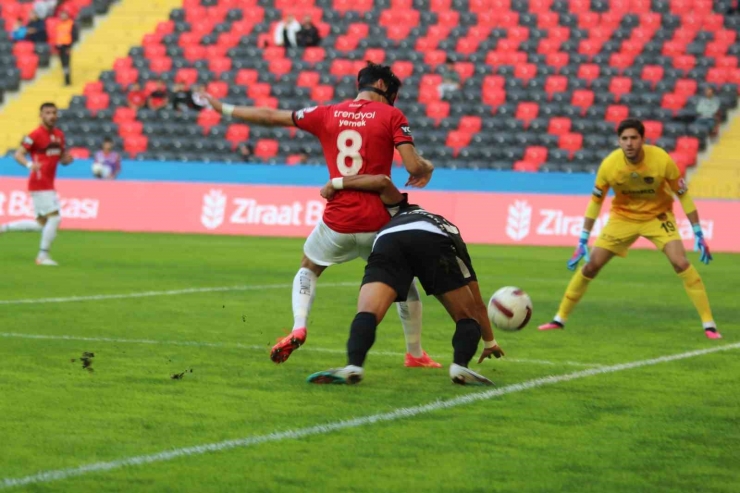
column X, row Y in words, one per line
column 543, row 82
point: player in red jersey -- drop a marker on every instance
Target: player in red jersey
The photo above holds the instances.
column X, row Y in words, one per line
column 358, row 137
column 46, row 147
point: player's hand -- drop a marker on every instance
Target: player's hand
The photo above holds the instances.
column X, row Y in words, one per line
column 66, row 159
column 328, row 191
column 35, row 167
column 581, row 251
column 494, row 351
column 700, row 244
column 215, row 103
column 420, row 181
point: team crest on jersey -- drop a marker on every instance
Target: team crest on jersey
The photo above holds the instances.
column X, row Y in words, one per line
column 634, row 175
column 649, row 180
column 300, row 114
column 406, row 130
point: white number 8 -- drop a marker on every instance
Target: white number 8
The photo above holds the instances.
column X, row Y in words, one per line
column 351, row 151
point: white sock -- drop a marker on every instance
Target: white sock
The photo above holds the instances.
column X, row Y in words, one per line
column 304, row 292
column 410, row 312
column 559, row 320
column 709, row 325
column 48, row 234
column 23, row 225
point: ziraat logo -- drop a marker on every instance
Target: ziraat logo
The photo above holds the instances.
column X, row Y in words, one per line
column 519, row 220
column 18, row 203
column 217, row 208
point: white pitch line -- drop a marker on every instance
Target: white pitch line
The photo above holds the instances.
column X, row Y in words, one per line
column 400, row 413
column 172, row 292
column 16, row 335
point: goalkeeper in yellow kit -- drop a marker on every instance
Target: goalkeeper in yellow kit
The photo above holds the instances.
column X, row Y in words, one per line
column 644, row 179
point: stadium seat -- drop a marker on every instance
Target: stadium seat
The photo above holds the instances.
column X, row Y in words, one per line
column 236, row 134
column 559, row 126
column 571, row 142
column 135, row 145
column 266, row 148
column 208, row 119
column 438, row 110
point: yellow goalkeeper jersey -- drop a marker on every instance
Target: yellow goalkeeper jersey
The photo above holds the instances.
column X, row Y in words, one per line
column 642, row 191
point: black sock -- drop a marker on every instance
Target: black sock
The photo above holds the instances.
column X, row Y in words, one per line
column 361, row 338
column 465, row 341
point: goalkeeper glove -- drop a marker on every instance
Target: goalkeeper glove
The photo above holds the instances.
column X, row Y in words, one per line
column 581, row 251
column 700, row 244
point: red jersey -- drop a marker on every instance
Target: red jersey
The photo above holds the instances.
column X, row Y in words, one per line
column 46, row 148
column 358, row 138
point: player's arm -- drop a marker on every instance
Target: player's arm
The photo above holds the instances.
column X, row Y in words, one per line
column 420, row 169
column 266, row 117
column 20, row 157
column 598, row 194
column 379, row 184
column 66, row 158
column 678, row 186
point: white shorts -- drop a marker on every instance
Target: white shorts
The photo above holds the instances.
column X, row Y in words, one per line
column 45, row 202
column 325, row 247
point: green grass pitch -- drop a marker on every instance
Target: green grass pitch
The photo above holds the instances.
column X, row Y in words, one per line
column 669, row 427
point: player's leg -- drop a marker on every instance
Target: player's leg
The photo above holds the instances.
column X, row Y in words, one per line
column 409, row 311
column 615, row 239
column 664, row 234
column 48, row 235
column 323, row 247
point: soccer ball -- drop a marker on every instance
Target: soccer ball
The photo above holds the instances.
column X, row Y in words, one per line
column 510, row 308
column 100, row 170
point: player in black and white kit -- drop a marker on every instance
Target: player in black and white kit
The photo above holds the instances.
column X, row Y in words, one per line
column 414, row 243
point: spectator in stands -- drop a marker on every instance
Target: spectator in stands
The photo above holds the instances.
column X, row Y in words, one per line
column 180, row 98
column 286, row 31
column 158, row 97
column 708, row 111
column 136, row 97
column 36, row 29
column 19, row 31
column 66, row 35
column 246, row 152
column 107, row 162
column 44, row 8
column 198, row 102
column 450, row 81
column 309, row 34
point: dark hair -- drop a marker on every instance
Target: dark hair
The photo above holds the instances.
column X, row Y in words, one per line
column 631, row 123
column 47, row 105
column 375, row 72
column 107, row 139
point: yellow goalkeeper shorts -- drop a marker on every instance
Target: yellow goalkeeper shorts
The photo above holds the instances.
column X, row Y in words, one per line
column 619, row 234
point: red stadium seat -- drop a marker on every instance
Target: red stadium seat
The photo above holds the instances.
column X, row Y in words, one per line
column 653, row 130
column 375, row 55
column 715, row 49
column 651, row 21
column 470, row 124
column 273, row 53
column 507, row 46
column 587, row 20
column 424, row 44
column 217, row 89
column 555, row 83
column 438, row 110
column 122, row 63
column 194, row 53
column 494, row 82
column 547, row 46
column 314, row 54
column 135, row 145
column 717, row 76
column 436, row 57
column 571, row 142
column 398, row 32
column 155, row 51
column 652, row 73
column 507, row 19
column 615, row 113
column 467, row 46
column 322, row 94
column 187, row 76
column 479, row 6
column 589, row 47
column 346, row 43
column 518, row 33
column 403, row 69
column 259, row 90
column 582, row 98
column 440, row 5
column 578, row 6
column 207, row 119
column 632, row 47
column 620, row 86
column 536, row 154
column 527, row 112
column 726, row 62
column 540, row 7
column 27, row 64
column 547, row 19
column 479, row 32
column 686, row 87
column 673, row 102
column 268, row 102
column 266, row 148
column 220, row 65
column 725, row 36
column 160, row 65
column 559, row 126
column 684, row 62
column 228, row 40
column 713, row 22
column 449, row 18
column 98, row 101
column 430, row 80
column 689, row 145
column 589, row 71
column 465, row 70
column 21, row 48
column 557, row 60
column 123, row 114
column 358, row 30
column 280, row 66
column 428, row 94
column 457, row 139
column 524, row 166
column 95, row 87
column 340, row 68
column 559, row 33
column 308, row 79
column 130, row 129
column 246, row 77
column 733, row 77
column 237, row 133
column 622, row 61
column 79, row 153
column 525, row 71
column 216, row 51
